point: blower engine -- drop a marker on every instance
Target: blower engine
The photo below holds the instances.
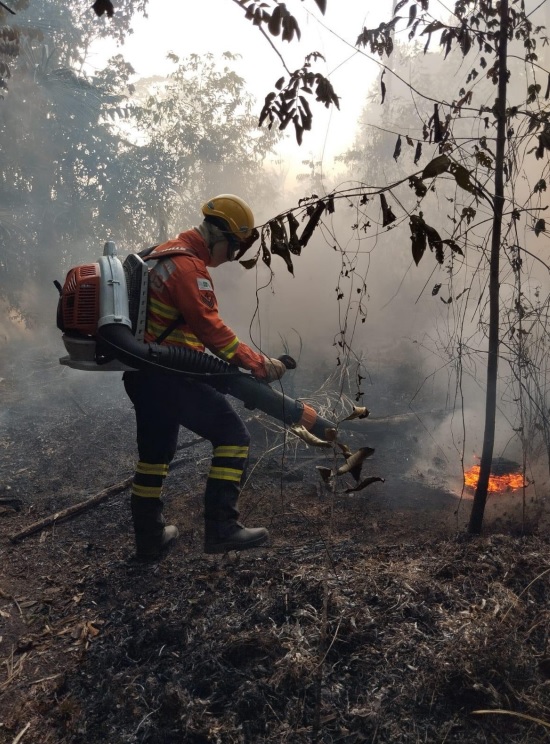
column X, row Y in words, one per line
column 98, row 295
column 102, row 313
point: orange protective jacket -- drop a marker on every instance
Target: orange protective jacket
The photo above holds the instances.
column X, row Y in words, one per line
column 180, row 285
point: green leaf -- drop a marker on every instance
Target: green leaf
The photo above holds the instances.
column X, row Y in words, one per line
column 249, row 263
column 266, row 255
column 397, row 151
column 453, row 245
column 314, row 217
column 434, row 241
column 279, row 242
column 274, row 24
column 412, row 14
column 431, row 27
column 462, row 177
column 436, row 166
column 322, row 5
column 290, row 27
column 468, row 213
column 293, row 241
column 484, row 160
column 382, row 90
column 387, row 215
column 465, row 42
column 420, row 188
column 418, row 238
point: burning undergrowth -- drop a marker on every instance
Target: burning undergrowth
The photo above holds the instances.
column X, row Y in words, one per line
column 506, row 476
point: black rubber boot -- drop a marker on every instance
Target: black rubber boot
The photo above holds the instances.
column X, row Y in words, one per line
column 153, row 536
column 223, row 531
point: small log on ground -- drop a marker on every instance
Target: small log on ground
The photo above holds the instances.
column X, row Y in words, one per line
column 71, row 511
column 83, row 506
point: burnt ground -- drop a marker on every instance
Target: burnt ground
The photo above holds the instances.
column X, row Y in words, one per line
column 371, row 617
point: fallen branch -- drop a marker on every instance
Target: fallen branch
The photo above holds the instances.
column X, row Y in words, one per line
column 83, row 506
column 71, row 511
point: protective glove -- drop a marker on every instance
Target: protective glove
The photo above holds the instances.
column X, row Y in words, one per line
column 274, row 368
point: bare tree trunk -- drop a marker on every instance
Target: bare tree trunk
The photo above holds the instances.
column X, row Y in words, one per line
column 480, row 498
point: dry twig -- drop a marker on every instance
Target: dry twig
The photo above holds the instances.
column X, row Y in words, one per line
column 83, row 506
column 71, row 511
column 22, row 733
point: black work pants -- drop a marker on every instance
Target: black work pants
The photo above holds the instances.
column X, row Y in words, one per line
column 163, row 403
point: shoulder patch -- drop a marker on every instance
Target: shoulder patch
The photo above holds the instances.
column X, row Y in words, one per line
column 208, row 299
column 204, row 284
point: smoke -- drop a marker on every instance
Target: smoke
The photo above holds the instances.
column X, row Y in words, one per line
column 357, row 305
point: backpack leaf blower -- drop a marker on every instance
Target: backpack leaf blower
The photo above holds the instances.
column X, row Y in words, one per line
column 102, row 312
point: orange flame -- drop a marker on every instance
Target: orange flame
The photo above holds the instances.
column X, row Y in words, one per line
column 497, row 483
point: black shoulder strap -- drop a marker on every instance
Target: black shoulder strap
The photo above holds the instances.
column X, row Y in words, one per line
column 180, row 320
column 146, row 251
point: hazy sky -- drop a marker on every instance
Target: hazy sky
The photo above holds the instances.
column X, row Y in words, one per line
column 219, row 25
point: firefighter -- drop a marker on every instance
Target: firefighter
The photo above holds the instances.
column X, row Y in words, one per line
column 183, row 311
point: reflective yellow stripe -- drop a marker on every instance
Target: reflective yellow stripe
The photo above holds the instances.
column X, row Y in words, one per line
column 228, row 451
column 228, row 352
column 146, row 492
column 147, row 468
column 230, row 474
column 165, row 311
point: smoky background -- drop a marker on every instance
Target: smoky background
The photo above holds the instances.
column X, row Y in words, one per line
column 357, row 305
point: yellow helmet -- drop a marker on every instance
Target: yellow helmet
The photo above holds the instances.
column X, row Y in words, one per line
column 231, row 214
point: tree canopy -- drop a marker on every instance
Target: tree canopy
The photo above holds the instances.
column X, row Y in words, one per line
column 91, row 156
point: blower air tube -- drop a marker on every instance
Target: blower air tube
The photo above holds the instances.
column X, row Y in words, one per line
column 177, row 359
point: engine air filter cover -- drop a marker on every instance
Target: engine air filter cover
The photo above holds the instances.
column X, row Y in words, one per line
column 80, row 299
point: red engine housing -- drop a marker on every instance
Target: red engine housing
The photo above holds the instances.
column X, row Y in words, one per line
column 79, row 304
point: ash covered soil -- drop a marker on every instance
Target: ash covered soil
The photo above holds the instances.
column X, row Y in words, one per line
column 371, row 617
